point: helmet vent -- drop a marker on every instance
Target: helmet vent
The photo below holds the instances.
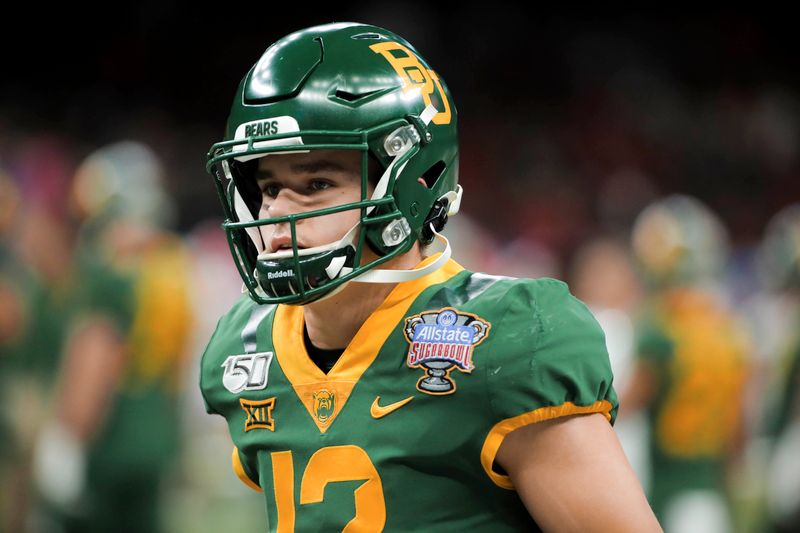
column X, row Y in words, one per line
column 371, row 36
column 351, row 97
column 358, row 99
column 431, row 176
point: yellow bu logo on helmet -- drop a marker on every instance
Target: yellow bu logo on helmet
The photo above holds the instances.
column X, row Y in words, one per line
column 415, row 76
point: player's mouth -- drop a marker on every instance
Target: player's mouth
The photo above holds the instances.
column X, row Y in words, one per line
column 285, row 250
column 281, row 243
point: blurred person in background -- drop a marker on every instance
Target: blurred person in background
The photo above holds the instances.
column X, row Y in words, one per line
column 114, row 430
column 776, row 313
column 692, row 353
column 13, row 315
column 35, row 282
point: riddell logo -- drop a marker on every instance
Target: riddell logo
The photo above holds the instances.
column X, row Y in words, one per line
column 280, row 274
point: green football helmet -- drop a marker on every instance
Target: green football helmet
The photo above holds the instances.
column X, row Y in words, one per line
column 678, row 240
column 340, row 86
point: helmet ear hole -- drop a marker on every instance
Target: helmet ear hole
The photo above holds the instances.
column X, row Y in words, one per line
column 432, row 175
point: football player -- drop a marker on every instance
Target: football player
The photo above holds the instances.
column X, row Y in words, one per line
column 778, row 310
column 692, row 364
column 369, row 382
column 100, row 459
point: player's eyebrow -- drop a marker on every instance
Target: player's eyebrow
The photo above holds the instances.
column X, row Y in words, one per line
column 320, row 165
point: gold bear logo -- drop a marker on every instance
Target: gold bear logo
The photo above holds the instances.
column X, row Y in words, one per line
column 324, row 405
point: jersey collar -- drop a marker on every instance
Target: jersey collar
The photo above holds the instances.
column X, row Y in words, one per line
column 308, row 381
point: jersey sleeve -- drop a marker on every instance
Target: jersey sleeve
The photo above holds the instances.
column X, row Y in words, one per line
column 226, row 340
column 204, row 381
column 552, row 362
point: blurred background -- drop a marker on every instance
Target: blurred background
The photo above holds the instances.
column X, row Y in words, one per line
column 651, row 161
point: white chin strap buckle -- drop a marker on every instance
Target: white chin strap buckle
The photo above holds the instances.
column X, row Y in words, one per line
column 454, row 200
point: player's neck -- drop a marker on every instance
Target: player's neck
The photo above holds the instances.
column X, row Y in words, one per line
column 333, row 322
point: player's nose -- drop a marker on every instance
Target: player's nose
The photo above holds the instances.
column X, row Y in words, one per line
column 279, row 235
column 276, row 236
column 279, row 206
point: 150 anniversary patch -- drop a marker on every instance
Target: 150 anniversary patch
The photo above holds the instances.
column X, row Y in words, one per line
column 440, row 341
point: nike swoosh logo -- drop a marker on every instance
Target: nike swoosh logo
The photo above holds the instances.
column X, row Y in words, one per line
column 379, row 412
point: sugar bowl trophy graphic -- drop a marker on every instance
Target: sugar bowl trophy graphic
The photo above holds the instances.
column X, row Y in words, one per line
column 440, row 341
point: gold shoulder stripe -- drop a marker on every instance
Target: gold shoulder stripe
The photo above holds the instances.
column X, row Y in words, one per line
column 240, row 473
column 495, row 437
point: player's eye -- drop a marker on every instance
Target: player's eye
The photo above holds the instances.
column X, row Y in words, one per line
column 271, row 189
column 319, row 185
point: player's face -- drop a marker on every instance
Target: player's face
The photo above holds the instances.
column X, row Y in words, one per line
column 297, row 183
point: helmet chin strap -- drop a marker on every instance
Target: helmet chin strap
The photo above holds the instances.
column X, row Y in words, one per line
column 337, row 268
column 398, row 276
column 386, row 275
column 441, row 244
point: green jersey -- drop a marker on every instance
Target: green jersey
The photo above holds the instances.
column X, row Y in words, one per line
column 139, row 436
column 151, row 311
column 402, row 433
column 697, row 350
